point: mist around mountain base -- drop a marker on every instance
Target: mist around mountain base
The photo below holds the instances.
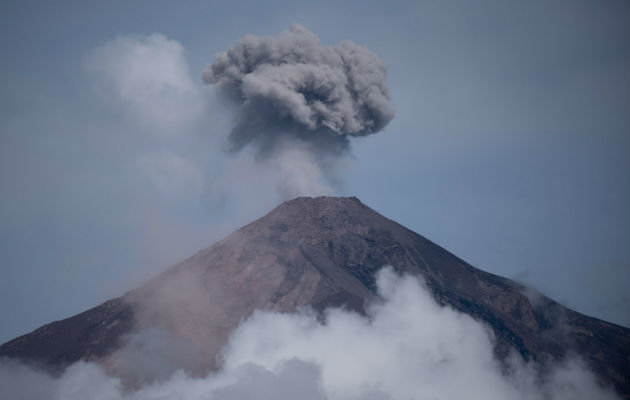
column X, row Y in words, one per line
column 406, row 347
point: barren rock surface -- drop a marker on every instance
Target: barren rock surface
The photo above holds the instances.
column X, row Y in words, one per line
column 320, row 252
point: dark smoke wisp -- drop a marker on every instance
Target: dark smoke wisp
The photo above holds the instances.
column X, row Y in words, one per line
column 290, row 87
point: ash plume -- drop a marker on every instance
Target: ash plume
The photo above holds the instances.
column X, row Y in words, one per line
column 289, row 89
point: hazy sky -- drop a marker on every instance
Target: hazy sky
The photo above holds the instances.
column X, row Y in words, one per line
column 510, row 144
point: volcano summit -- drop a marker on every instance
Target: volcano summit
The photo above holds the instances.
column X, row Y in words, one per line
column 319, row 253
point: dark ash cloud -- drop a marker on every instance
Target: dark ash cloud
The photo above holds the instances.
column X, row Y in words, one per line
column 290, row 86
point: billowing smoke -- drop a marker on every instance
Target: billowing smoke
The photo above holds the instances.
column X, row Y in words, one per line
column 407, row 347
column 290, row 90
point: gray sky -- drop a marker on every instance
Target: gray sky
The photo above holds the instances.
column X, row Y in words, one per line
column 509, row 146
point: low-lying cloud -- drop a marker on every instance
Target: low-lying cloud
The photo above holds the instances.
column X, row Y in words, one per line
column 407, row 347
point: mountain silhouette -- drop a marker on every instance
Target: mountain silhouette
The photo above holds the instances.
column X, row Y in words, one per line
column 319, row 252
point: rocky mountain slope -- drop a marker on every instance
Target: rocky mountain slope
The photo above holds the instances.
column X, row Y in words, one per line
column 319, row 252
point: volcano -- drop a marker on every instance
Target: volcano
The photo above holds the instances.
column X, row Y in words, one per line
column 319, row 252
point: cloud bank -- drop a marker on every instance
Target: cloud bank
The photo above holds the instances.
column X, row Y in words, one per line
column 407, row 347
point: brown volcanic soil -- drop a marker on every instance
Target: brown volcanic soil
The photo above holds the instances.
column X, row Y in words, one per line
column 321, row 252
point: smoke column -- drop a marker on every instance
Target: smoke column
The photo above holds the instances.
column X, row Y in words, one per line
column 291, row 93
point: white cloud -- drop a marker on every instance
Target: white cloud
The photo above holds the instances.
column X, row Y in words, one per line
column 148, row 77
column 407, row 347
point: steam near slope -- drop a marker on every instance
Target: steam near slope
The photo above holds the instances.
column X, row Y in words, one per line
column 408, row 347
